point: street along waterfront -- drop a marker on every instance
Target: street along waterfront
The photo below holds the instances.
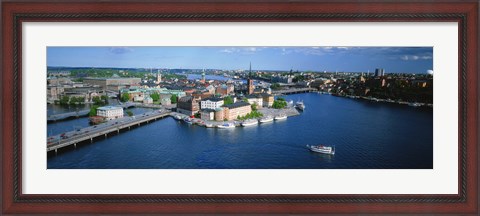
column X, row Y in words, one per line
column 366, row 135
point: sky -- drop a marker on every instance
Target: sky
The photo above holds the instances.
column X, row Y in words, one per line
column 342, row 59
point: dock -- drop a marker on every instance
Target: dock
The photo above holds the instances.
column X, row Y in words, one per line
column 102, row 130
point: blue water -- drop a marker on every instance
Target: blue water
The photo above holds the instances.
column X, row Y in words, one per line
column 366, row 135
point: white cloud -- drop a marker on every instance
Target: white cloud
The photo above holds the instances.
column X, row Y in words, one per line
column 415, row 57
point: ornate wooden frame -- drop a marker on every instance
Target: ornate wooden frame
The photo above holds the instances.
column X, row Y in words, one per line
column 16, row 12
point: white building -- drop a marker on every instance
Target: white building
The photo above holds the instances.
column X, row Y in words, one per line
column 110, row 112
column 255, row 99
column 211, row 103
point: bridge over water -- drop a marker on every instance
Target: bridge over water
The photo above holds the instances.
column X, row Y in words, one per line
column 88, row 134
column 293, row 91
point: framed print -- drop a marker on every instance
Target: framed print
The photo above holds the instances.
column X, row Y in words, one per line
column 252, row 107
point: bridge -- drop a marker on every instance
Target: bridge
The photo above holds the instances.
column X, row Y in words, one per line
column 80, row 113
column 88, row 134
column 293, row 91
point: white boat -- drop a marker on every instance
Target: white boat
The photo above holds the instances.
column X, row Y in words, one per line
column 208, row 125
column 188, row 120
column 300, row 105
column 177, row 117
column 414, row 104
column 226, row 126
column 250, row 122
column 266, row 119
column 280, row 117
column 322, row 149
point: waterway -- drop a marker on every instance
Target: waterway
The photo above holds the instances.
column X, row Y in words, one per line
column 366, row 135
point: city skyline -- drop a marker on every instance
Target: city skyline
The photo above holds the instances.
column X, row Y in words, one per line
column 341, row 59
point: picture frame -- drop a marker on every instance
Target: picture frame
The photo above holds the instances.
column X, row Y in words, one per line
column 465, row 13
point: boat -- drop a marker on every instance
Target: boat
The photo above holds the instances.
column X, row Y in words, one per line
column 280, row 117
column 414, row 104
column 266, row 119
column 177, row 117
column 226, row 125
column 300, row 105
column 250, row 122
column 188, row 120
column 322, row 149
column 209, row 125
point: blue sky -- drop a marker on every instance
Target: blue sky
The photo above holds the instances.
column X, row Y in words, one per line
column 348, row 59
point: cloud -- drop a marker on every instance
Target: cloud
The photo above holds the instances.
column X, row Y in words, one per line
column 241, row 50
column 120, row 50
column 415, row 57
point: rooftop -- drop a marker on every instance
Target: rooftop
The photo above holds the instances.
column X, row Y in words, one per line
column 237, row 105
column 109, row 108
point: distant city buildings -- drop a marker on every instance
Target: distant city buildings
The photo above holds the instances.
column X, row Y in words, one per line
column 113, row 84
column 379, row 72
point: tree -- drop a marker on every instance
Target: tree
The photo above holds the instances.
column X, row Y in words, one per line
column 275, row 86
column 254, row 107
column 173, row 99
column 125, row 97
column 155, row 96
column 93, row 111
column 227, row 100
column 64, row 100
column 129, row 113
column 280, row 103
column 105, row 99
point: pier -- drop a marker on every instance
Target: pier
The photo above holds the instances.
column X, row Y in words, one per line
column 293, row 91
column 102, row 130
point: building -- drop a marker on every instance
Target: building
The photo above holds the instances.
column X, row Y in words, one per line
column 207, row 114
column 267, row 100
column 379, row 72
column 225, row 89
column 211, row 103
column 147, row 100
column 219, row 115
column 188, row 105
column 255, row 99
column 113, row 84
column 233, row 111
column 159, row 77
column 54, row 92
column 110, row 112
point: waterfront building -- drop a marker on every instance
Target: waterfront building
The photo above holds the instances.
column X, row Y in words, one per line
column 233, row 111
column 53, row 92
column 211, row 103
column 110, row 112
column 207, row 114
column 59, row 81
column 113, row 84
column 165, row 101
column 147, row 100
column 267, row 100
column 282, row 79
column 379, row 72
column 219, row 114
column 255, row 99
column 188, row 105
